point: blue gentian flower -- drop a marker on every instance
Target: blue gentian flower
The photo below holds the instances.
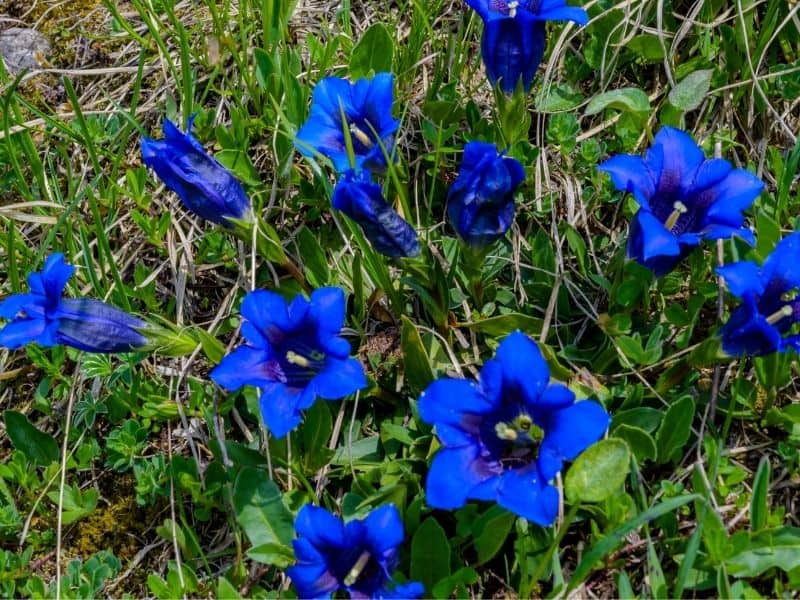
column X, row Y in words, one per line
column 293, row 353
column 204, row 186
column 480, row 202
column 514, row 36
column 684, row 199
column 506, row 437
column 364, row 109
column 362, row 200
column 770, row 308
column 358, row 556
column 44, row 317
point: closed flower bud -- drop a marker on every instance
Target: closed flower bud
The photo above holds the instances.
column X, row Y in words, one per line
column 204, row 186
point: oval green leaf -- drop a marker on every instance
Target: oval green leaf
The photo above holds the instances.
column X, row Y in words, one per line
column 599, row 472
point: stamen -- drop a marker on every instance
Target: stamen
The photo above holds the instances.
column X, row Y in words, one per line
column 512, row 8
column 296, row 359
column 679, row 209
column 352, row 576
column 524, row 422
column 504, row 432
column 781, row 313
column 360, row 135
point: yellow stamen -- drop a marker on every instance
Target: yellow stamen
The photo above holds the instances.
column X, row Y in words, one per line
column 781, row 313
column 504, row 432
column 360, row 135
column 680, row 209
column 354, row 573
column 512, row 8
column 296, row 359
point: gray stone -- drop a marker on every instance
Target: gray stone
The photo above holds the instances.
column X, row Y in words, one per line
column 23, row 49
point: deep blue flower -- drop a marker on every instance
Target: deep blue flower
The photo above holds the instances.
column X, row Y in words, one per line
column 480, row 202
column 684, row 199
column 358, row 556
column 765, row 321
column 362, row 200
column 514, row 36
column 204, row 186
column 367, row 109
column 293, row 353
column 44, row 317
column 506, row 437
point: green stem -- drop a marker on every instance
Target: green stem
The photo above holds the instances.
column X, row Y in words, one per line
column 548, row 557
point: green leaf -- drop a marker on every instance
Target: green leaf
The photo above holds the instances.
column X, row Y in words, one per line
column 557, row 98
column 609, row 541
column 272, row 554
column 598, row 472
column 430, row 554
column 261, row 513
column 417, row 365
column 39, row 447
column 77, row 504
column 647, row 47
column 639, row 441
column 779, row 547
column 759, row 503
column 692, row 89
column 504, row 324
column 373, row 52
column 315, row 263
column 490, row 531
column 643, row 417
column 675, row 429
column 226, row 591
column 629, row 99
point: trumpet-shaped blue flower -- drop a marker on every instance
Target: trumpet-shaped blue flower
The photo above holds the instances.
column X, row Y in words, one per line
column 204, row 186
column 684, row 199
column 362, row 200
column 480, row 202
column 506, row 437
column 44, row 317
column 293, row 354
column 514, row 36
column 364, row 109
column 765, row 321
column 358, row 556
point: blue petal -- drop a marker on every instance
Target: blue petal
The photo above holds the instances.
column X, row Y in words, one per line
column 319, row 527
column 523, row 492
column 555, row 396
column 679, row 157
column 651, row 244
column 21, row 332
column 710, row 173
column 245, row 366
column 279, row 408
column 313, row 580
column 384, row 530
column 571, row 430
column 631, row 174
column 327, row 308
column 781, row 265
column 524, row 369
column 453, row 474
column 733, row 195
column 13, row 305
column 448, row 404
column 724, row 232
column 412, row 589
column 556, row 10
column 743, row 277
column 55, row 274
column 267, row 318
column 339, row 378
column 747, row 332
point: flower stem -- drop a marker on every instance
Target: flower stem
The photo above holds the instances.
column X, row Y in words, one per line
column 548, row 557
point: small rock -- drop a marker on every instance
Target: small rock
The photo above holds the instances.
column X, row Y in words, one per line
column 23, row 49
